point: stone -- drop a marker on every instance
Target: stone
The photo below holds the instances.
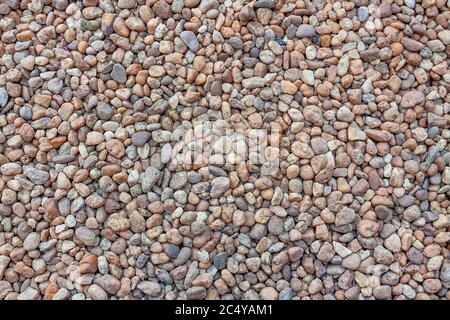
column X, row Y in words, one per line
column 264, row 4
column 382, row 292
column 383, row 256
column 345, row 217
column 10, row 169
column 196, row 293
column 305, row 31
column 410, row 3
column 4, row 261
column 115, row 148
column 3, row 97
column 150, row 288
column 60, row 4
column 370, row 55
column 360, row 188
column 254, row 82
column 156, row 71
column 355, row 133
column 385, row 9
column 55, row 85
column 149, row 178
column 86, row 235
column 432, row 285
column 172, row 250
column 314, row 115
column 166, row 153
column 341, row 250
column 140, row 138
column 288, row 87
column 351, row 262
column 36, row 176
column 108, row 283
column 218, row 186
column 94, row 138
column 302, row 150
column 126, row 4
column 362, row 13
column 32, row 241
column 411, row 45
column 95, row 292
column 367, row 228
column 207, row 5
column 286, row 294
column 411, row 99
column 118, row 73
column 269, row 293
column 105, row 111
column 28, row 294
column 308, row 77
column 190, row 40
column 178, row 180
column 220, row 260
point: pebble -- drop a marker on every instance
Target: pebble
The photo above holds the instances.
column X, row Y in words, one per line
column 305, row 31
column 94, row 138
column 253, row 83
column 4, row 261
column 32, row 241
column 3, row 97
column 264, row 4
column 410, row 3
column 37, row 176
column 411, row 99
column 126, row 4
column 162, row 9
column 219, row 185
column 362, row 13
column 95, row 292
column 166, row 153
column 220, row 260
column 382, row 292
column 190, row 39
column 149, row 178
column 308, row 77
column 172, row 250
column 118, row 73
column 28, row 294
column 196, row 293
column 345, row 217
column 150, row 288
column 86, row 235
column 140, row 138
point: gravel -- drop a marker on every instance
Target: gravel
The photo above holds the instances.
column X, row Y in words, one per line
column 217, row 149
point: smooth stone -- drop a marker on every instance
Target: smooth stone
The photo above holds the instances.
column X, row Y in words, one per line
column 305, row 31
column 140, row 138
column 190, row 39
column 118, row 73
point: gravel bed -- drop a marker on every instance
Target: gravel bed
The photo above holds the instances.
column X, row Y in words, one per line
column 218, row 149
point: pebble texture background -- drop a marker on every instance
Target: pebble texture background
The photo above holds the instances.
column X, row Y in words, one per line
column 94, row 94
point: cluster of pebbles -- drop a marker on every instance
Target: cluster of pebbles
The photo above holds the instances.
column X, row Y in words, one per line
column 95, row 96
